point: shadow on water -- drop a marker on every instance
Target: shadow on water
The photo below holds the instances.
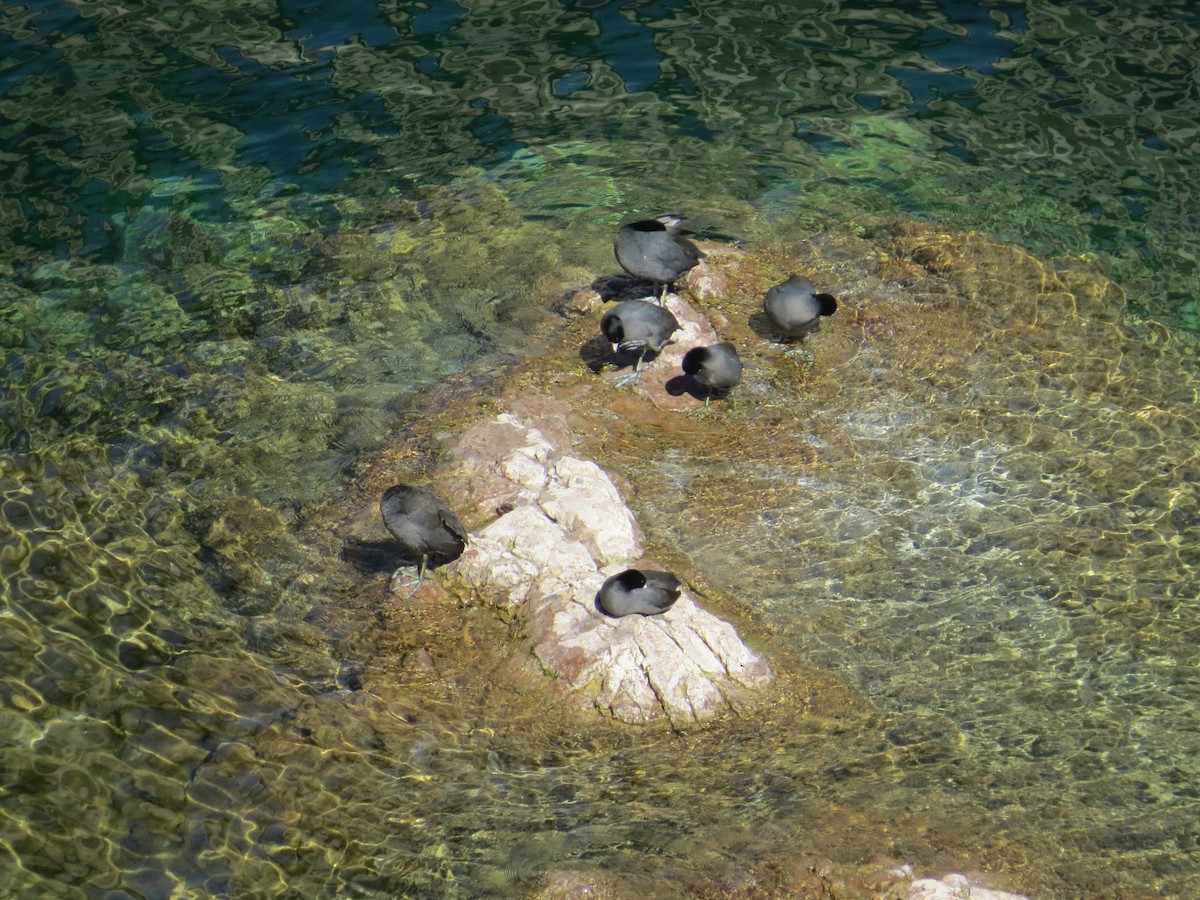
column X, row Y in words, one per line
column 374, row 557
column 596, row 353
column 383, row 557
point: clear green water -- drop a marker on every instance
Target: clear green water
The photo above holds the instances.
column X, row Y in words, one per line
column 238, row 238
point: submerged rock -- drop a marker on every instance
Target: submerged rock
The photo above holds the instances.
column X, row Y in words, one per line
column 565, row 530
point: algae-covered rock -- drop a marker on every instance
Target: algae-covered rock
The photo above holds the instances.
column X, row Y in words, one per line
column 254, row 555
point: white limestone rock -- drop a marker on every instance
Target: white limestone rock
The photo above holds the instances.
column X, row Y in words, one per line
column 582, row 497
column 503, row 463
column 524, row 471
column 685, row 664
column 955, row 887
column 564, row 527
column 520, row 551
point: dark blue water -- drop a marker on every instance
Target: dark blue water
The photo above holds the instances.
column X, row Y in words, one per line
column 237, row 240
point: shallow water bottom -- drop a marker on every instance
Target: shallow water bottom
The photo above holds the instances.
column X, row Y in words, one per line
column 982, row 625
column 976, row 500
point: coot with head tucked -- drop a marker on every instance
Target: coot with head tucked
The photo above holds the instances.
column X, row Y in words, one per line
column 795, row 308
column 718, row 367
column 638, row 592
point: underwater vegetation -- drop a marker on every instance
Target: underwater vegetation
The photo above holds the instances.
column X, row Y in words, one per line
column 253, row 267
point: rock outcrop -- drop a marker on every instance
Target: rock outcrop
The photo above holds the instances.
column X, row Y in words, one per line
column 562, row 528
column 954, row 887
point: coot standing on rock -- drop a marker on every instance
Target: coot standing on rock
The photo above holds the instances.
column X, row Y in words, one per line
column 717, row 367
column 655, row 249
column 423, row 525
column 795, row 308
column 637, row 325
column 638, row 592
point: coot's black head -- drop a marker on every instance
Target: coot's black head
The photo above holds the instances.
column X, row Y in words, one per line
column 631, row 579
column 613, row 328
column 694, row 360
column 647, row 225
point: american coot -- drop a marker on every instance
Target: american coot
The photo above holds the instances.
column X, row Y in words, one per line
column 717, row 367
column 794, row 307
column 637, row 325
column 423, row 525
column 637, row 592
column 655, row 249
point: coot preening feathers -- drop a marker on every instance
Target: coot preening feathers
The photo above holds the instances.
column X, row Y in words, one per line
column 637, row 325
column 655, row 249
column 424, row 526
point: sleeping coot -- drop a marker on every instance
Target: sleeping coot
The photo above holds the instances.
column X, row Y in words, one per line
column 795, row 308
column 638, row 592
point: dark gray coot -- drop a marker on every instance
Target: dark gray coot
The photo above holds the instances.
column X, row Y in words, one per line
column 423, row 525
column 655, row 249
column 717, row 367
column 638, row 592
column 795, row 308
column 637, row 325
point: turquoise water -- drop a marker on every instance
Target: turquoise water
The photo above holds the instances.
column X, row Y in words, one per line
column 238, row 241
